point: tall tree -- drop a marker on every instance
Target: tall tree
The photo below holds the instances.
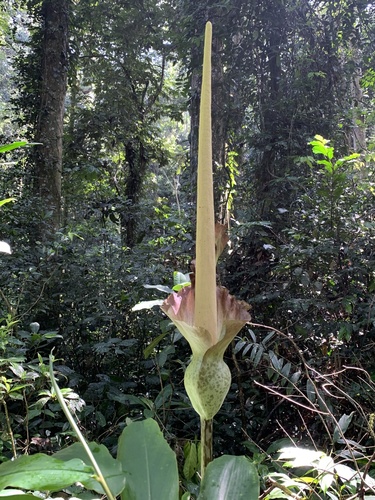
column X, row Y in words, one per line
column 43, row 70
column 295, row 67
column 121, row 54
column 49, row 126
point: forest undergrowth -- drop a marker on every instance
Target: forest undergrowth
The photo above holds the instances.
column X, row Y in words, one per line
column 302, row 369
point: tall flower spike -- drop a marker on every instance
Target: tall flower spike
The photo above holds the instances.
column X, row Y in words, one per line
column 205, row 262
column 206, row 315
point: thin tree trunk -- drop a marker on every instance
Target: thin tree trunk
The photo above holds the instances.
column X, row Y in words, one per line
column 137, row 163
column 49, row 127
column 358, row 132
column 269, row 99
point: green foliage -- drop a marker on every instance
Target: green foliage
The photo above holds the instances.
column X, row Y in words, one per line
column 110, row 467
column 30, row 420
column 180, row 281
column 14, row 145
column 100, row 332
column 228, row 477
column 302, row 234
column 150, row 464
column 315, row 473
column 191, row 459
column 41, row 472
column 312, row 280
column 145, row 467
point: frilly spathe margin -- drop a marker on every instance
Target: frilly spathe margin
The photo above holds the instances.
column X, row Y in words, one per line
column 207, row 378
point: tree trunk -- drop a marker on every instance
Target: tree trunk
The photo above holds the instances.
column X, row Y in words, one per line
column 358, row 142
column 269, row 108
column 137, row 163
column 49, row 127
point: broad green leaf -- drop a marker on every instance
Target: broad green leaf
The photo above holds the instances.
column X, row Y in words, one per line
column 42, row 472
column 319, row 139
column 328, row 165
column 52, row 335
column 161, row 288
column 275, row 361
column 13, row 145
column 276, row 494
column 149, row 464
column 325, row 469
column 150, row 348
column 330, row 152
column 147, row 304
column 11, row 494
column 318, row 148
column 191, row 460
column 8, row 200
column 230, row 477
column 353, row 156
column 342, row 426
column 345, row 473
column 180, row 279
column 310, row 390
column 110, row 467
column 300, row 457
column 163, row 396
column 307, row 479
column 177, row 288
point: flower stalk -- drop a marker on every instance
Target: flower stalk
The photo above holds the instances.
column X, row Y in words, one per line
column 206, row 443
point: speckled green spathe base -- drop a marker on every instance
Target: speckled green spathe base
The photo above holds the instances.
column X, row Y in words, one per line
column 207, row 382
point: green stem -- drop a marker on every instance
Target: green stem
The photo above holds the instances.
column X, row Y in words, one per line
column 10, row 432
column 60, row 398
column 206, row 443
column 8, row 304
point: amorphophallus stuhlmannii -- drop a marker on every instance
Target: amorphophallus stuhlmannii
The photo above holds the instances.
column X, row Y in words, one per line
column 205, row 314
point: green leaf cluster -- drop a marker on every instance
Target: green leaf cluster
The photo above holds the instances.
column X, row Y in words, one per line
column 145, row 467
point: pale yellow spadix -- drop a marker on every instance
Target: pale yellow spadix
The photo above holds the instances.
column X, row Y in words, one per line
column 205, row 265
